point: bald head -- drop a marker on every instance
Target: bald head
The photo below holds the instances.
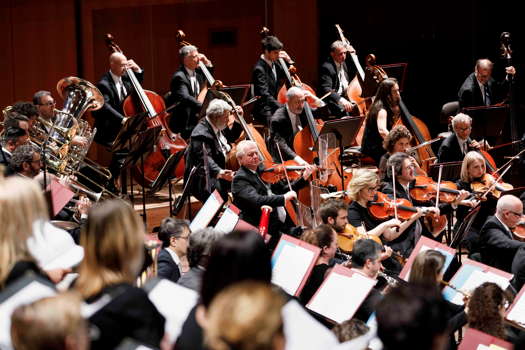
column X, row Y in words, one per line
column 117, row 63
column 483, row 70
column 509, row 210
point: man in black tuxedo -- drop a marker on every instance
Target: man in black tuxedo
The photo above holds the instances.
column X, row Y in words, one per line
column 208, row 149
column 12, row 137
column 250, row 192
column 480, row 89
column 267, row 78
column 455, row 146
column 498, row 247
column 334, row 78
column 185, row 87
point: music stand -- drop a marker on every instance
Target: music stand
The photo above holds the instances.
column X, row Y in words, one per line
column 185, row 194
column 398, row 71
column 165, row 172
column 451, row 171
column 463, row 228
column 132, row 126
column 238, row 94
column 345, row 131
column 487, row 121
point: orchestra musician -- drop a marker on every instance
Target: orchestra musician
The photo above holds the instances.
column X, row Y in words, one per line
column 185, row 86
column 12, row 138
column 480, row 89
column 267, row 78
column 250, row 192
column 498, row 246
column 380, row 119
column 212, row 135
column 26, row 161
column 27, row 109
column 334, row 78
column 45, row 104
column 458, row 144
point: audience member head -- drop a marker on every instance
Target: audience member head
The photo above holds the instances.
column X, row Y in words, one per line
column 350, row 329
column 509, row 210
column 45, row 104
column 363, row 185
column 397, row 140
column 199, row 246
column 427, row 268
column 21, row 204
column 324, row 237
column 473, row 167
column 113, row 242
column 26, row 160
column 218, row 112
column 53, row 323
column 486, row 309
column 334, row 212
column 246, row 316
column 366, row 256
column 248, row 155
column 235, row 257
column 413, row 317
column 175, row 233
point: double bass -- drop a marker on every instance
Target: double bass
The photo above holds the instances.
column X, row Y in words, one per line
column 168, row 144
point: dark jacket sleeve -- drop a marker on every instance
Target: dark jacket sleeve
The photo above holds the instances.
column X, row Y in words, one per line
column 277, row 136
column 444, row 152
column 261, row 88
column 166, row 268
column 107, row 110
column 180, row 91
column 247, row 197
column 326, row 83
column 197, row 144
column 494, row 237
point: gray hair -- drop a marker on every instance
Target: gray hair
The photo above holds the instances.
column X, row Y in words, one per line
column 21, row 155
column 336, row 45
column 200, row 243
column 461, row 118
column 506, row 202
column 241, row 148
column 38, row 96
column 396, row 160
column 186, row 50
column 217, row 108
column 294, row 91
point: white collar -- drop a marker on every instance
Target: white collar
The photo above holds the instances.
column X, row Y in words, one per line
column 116, row 79
column 460, row 140
column 6, row 151
column 174, row 255
column 290, row 113
column 270, row 63
column 190, row 72
column 506, row 227
column 215, row 129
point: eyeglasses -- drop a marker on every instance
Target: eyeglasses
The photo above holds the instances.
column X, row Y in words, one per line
column 48, row 104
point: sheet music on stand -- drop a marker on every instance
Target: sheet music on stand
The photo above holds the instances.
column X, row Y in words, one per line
column 207, row 212
column 353, row 285
column 292, row 263
column 471, row 275
column 423, row 244
column 477, row 340
column 238, row 94
column 451, row 171
column 228, row 220
column 516, row 312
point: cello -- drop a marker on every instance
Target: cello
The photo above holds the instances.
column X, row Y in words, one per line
column 168, row 144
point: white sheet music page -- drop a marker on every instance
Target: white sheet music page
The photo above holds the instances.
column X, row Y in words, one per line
column 227, row 222
column 291, row 267
column 328, row 302
column 517, row 313
column 207, row 212
column 476, row 279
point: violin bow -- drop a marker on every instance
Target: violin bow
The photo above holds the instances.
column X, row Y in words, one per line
column 298, row 210
column 394, row 187
column 438, row 185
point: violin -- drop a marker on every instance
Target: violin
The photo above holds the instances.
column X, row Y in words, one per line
column 519, row 231
column 426, row 189
column 346, row 240
column 487, row 183
column 383, row 208
column 274, row 172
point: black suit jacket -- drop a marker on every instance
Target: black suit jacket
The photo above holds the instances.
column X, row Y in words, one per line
column 250, row 193
column 518, row 269
column 267, row 87
column 470, row 94
column 449, row 151
column 5, row 160
column 281, row 133
column 108, row 119
column 497, row 246
column 166, row 267
column 329, row 82
column 185, row 115
column 203, row 135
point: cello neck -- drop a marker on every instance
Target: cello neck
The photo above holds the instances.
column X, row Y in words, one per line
column 345, row 41
column 411, row 125
column 286, row 71
column 311, row 122
column 207, row 74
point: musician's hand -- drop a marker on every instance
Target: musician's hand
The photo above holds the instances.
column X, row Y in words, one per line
column 475, row 144
column 239, row 110
column 130, row 64
column 284, row 55
column 288, row 196
column 64, row 180
column 205, row 60
column 347, row 105
column 386, row 254
column 469, row 203
column 226, row 174
column 57, row 275
column 350, row 48
column 432, row 210
column 83, row 205
column 462, row 195
column 392, row 223
column 79, row 141
column 124, row 120
column 510, row 70
column 308, row 170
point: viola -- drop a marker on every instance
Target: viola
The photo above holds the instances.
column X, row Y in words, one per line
column 383, row 207
column 350, row 235
column 519, row 231
column 426, row 189
column 274, row 173
column 488, row 182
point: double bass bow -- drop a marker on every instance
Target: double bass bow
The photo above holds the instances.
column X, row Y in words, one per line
column 168, row 144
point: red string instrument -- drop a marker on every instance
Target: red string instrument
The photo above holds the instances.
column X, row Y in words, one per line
column 168, row 143
column 426, row 189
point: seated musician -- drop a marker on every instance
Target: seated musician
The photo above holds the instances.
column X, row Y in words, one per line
column 267, row 78
column 381, row 118
column 334, row 78
column 285, row 123
column 26, row 161
column 455, row 146
column 185, row 87
column 172, row 259
column 480, row 89
column 498, row 245
column 405, row 180
column 250, row 192
column 27, row 109
column 324, row 237
column 12, row 138
column 212, row 135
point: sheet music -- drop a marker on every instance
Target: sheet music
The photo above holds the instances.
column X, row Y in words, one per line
column 291, row 266
column 227, row 222
column 448, row 258
column 476, row 279
column 207, row 212
column 354, row 288
column 517, row 313
column 174, row 302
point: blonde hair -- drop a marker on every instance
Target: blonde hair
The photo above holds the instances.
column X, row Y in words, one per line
column 48, row 322
column 21, row 204
column 113, row 242
column 361, row 178
column 245, row 316
column 470, row 158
